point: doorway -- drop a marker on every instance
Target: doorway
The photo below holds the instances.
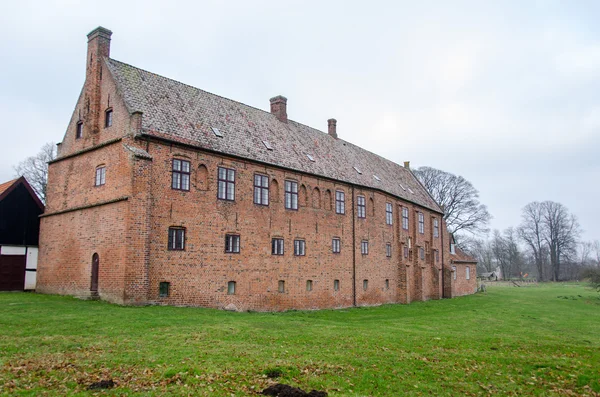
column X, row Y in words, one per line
column 95, row 268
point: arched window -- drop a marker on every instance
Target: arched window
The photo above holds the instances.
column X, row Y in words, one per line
column 316, row 198
column 328, row 200
column 202, row 177
column 274, row 191
column 79, row 130
column 302, row 199
column 108, row 118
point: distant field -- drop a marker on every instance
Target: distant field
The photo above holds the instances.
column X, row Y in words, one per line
column 540, row 340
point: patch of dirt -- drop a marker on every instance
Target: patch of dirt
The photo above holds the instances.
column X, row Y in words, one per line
column 281, row 390
column 103, row 384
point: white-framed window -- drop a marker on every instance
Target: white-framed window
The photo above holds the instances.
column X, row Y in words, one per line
column 277, row 246
column 364, row 247
column 261, row 189
column 454, row 272
column 436, row 228
column 100, row 176
column 388, row 250
column 291, row 195
column 468, row 273
column 421, row 223
column 299, row 247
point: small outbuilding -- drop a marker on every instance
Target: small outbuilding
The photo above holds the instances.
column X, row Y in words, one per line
column 20, row 209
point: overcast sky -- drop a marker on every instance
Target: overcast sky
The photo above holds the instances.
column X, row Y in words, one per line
column 506, row 94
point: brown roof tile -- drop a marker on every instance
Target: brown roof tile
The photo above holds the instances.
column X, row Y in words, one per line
column 178, row 112
column 4, row 186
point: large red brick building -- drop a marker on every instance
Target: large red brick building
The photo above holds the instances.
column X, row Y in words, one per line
column 164, row 193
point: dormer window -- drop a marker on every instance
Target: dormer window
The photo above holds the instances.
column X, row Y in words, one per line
column 108, row 116
column 79, row 130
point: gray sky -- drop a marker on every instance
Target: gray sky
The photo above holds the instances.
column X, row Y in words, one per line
column 506, row 94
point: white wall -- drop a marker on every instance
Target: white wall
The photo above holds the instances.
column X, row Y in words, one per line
column 30, row 262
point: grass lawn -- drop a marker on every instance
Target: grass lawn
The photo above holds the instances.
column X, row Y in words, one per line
column 540, row 340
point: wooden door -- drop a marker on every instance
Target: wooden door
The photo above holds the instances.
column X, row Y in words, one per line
column 12, row 272
column 95, row 268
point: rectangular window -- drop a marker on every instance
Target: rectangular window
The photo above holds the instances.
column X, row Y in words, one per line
column 336, row 285
column 387, row 283
column 176, row 239
column 100, row 176
column 365, row 284
column 108, row 118
column 79, row 130
column 340, row 205
column 261, row 189
column 309, row 285
column 163, row 289
column 291, row 195
column 388, row 250
column 468, row 274
column 364, row 247
column 361, row 207
column 437, row 255
column 180, row 176
column 232, row 243
column 281, row 286
column 421, row 253
column 436, row 228
column 406, row 252
column 231, row 288
column 421, row 223
column 404, row 218
column 454, row 272
column 277, row 246
column 335, row 245
column 452, row 248
column 226, row 189
column 389, row 214
column 299, row 247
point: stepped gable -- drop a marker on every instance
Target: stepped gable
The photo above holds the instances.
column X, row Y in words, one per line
column 178, row 112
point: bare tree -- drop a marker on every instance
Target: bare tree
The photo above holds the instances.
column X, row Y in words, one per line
column 458, row 198
column 531, row 231
column 35, row 169
column 562, row 230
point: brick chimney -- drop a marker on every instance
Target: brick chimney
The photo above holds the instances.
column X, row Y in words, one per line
column 98, row 49
column 332, row 127
column 279, row 108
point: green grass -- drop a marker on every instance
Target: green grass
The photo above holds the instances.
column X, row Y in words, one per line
column 540, row 340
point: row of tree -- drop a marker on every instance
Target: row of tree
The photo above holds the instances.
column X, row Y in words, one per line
column 546, row 245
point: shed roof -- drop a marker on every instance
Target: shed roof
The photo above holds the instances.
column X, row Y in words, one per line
column 178, row 112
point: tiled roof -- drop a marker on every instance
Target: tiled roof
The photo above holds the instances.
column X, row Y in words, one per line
column 4, row 186
column 462, row 256
column 178, row 112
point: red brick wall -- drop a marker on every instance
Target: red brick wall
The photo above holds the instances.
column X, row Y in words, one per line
column 461, row 286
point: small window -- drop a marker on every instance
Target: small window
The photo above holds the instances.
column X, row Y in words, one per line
column 336, row 285
column 437, row 255
column 299, row 247
column 291, row 195
column 410, row 190
column 277, row 246
column 362, row 207
column 335, row 245
column 163, row 289
column 422, row 253
column 402, row 186
column 468, row 273
column 357, row 170
column 180, row 175
column 387, row 284
column 108, row 118
column 176, row 239
column 421, row 223
column 232, row 243
column 436, row 228
column 281, row 286
column 405, row 218
column 100, row 176
column 364, row 247
column 309, row 285
column 365, row 284
column 261, row 189
column 231, row 288
column 388, row 250
column 79, row 130
column 452, row 248
column 406, row 252
column 226, row 188
column 217, row 132
column 267, row 145
column 454, row 272
column 340, row 205
column 377, row 178
column 310, row 157
column 389, row 213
